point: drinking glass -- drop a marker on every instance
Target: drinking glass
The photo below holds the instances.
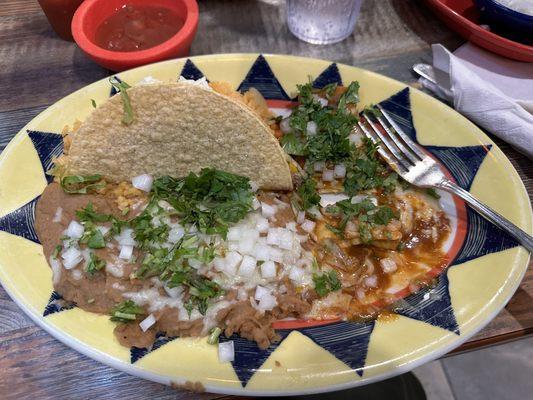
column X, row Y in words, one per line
column 322, row 21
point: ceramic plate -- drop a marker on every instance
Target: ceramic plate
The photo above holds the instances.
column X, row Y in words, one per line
column 485, row 265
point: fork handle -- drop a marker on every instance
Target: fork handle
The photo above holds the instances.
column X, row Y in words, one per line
column 523, row 238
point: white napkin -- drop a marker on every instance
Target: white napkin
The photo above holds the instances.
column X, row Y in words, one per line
column 494, row 92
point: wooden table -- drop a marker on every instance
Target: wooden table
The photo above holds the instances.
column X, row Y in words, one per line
column 37, row 69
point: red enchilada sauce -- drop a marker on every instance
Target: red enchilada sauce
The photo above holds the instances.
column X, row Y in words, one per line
column 139, row 27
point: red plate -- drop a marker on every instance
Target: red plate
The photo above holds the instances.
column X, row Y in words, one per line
column 462, row 16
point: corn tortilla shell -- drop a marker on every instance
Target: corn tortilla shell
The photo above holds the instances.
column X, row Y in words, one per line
column 178, row 128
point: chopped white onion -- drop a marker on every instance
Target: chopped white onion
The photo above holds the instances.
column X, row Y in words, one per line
column 175, row 234
column 143, row 182
column 327, row 175
column 280, row 237
column 232, row 260
column 202, row 82
column 246, row 245
column 174, row 292
column 254, row 186
column 126, row 252
column 76, row 274
column 103, row 229
column 323, row 102
column 296, row 274
column 148, row 80
column 234, row 233
column 319, row 166
column 260, row 292
column 267, row 210
column 291, row 226
column 146, row 323
column 226, row 351
column 75, row 230
column 71, row 257
column 262, row 225
column 195, row 263
column 308, row 226
column 268, row 269
column 285, row 126
column 126, row 238
column 58, row 214
column 328, row 199
column 117, row 270
column 388, row 265
column 339, row 171
column 355, row 138
column 262, row 252
column 256, row 204
column 276, row 255
column 247, row 267
column 311, row 128
column 219, row 263
column 371, row 281
column 56, row 269
column 267, row 303
column 301, row 217
column 361, row 197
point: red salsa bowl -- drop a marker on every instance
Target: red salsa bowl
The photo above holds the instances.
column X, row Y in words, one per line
column 92, row 14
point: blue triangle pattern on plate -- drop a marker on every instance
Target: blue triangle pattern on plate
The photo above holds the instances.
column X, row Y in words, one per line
column 136, row 353
column 56, row 303
column 329, row 75
column 262, row 78
column 249, row 357
column 348, row 341
column 21, row 222
column 462, row 162
column 399, row 106
column 431, row 305
column 48, row 146
column 482, row 238
column 114, row 91
column 191, row 71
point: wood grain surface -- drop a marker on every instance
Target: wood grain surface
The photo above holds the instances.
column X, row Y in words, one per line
column 37, row 69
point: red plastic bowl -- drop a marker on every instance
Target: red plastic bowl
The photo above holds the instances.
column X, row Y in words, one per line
column 92, row 13
column 462, row 17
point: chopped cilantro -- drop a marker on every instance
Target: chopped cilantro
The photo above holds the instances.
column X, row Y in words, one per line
column 308, row 195
column 126, row 311
column 213, row 335
column 365, row 171
column 351, row 96
column 81, row 184
column 122, row 87
column 366, row 213
column 57, row 250
column 293, row 145
column 93, row 103
column 326, row 283
column 329, row 89
column 89, row 214
column 212, row 199
column 94, row 264
column 433, row 193
column 373, row 110
column 146, row 232
column 96, row 240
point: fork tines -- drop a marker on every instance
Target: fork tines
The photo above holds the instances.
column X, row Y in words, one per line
column 393, row 144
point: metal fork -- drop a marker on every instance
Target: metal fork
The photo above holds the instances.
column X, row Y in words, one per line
column 418, row 168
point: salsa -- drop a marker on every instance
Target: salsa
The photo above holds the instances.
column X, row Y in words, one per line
column 139, row 27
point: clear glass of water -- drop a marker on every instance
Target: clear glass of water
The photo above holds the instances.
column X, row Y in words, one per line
column 322, row 21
